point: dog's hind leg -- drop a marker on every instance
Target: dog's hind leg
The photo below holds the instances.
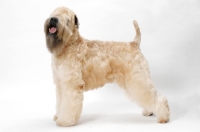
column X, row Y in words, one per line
column 142, row 93
column 140, row 89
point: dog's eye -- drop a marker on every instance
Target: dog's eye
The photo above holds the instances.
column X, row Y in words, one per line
column 68, row 22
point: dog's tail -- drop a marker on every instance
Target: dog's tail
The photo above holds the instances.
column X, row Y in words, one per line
column 137, row 38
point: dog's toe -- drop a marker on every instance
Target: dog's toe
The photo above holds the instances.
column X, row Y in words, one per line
column 163, row 121
column 146, row 113
column 55, row 117
column 150, row 114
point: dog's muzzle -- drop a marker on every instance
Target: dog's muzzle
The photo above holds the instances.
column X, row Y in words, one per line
column 53, row 25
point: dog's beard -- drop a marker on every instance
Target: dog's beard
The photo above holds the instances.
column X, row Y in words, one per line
column 53, row 42
column 57, row 37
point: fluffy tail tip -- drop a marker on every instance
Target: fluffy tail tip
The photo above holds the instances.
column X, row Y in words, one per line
column 137, row 38
column 135, row 23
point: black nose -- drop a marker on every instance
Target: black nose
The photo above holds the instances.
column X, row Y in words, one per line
column 53, row 21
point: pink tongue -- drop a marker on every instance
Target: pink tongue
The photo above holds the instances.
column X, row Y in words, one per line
column 52, row 30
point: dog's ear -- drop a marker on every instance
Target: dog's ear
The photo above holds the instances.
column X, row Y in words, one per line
column 76, row 21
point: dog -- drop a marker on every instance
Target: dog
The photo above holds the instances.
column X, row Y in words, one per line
column 79, row 65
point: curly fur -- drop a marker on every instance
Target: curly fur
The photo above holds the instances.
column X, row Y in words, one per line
column 80, row 65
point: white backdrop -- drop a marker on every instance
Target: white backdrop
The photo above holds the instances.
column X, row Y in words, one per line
column 170, row 42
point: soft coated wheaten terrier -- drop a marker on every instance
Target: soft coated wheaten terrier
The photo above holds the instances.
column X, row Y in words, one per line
column 79, row 65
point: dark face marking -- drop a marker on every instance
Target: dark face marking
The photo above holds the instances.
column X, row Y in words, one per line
column 52, row 42
column 51, row 30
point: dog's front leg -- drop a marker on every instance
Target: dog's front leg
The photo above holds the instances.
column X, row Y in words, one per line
column 58, row 100
column 71, row 105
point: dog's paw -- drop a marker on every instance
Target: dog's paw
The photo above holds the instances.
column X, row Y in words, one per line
column 163, row 120
column 146, row 113
column 64, row 123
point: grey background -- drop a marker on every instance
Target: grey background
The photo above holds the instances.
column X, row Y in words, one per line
column 170, row 42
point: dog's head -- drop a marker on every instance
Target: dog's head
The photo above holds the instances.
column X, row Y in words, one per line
column 59, row 28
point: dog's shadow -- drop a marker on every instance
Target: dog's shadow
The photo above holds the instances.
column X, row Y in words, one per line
column 126, row 118
column 177, row 112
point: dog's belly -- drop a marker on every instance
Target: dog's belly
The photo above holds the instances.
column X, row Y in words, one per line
column 97, row 72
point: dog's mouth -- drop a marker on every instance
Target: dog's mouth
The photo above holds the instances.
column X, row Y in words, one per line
column 52, row 30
